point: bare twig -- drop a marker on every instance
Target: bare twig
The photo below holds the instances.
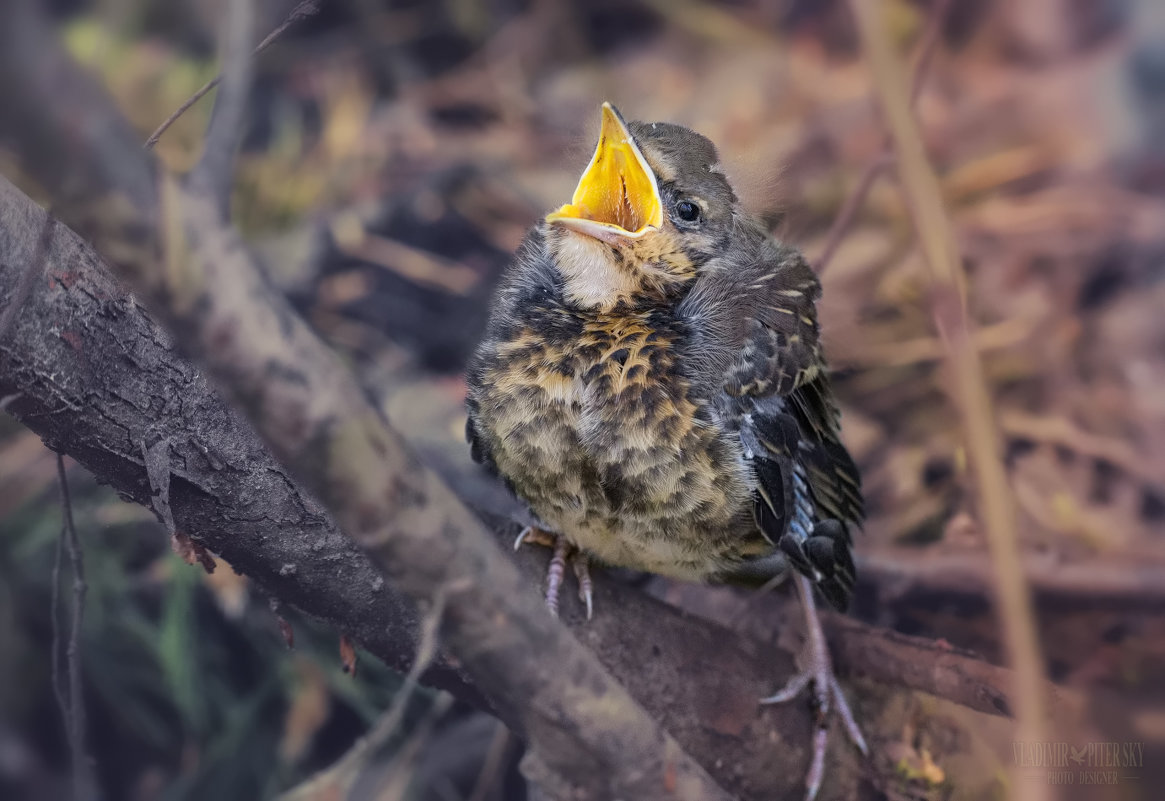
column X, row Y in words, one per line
column 922, row 664
column 927, row 45
column 226, row 124
column 928, row 42
column 74, row 712
column 932, row 224
column 32, row 270
column 337, row 780
column 307, row 8
column 426, row 652
column 1127, row 585
column 849, row 209
column 60, row 682
column 486, row 786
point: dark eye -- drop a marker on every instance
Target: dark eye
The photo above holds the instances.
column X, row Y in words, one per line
column 688, row 211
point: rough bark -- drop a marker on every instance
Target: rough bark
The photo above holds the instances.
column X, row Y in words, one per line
column 89, row 371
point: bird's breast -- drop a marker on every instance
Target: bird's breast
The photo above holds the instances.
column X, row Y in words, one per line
column 602, row 435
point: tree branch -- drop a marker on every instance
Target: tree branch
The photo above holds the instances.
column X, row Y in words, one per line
column 927, row 44
column 580, row 723
column 74, row 714
column 214, row 172
column 22, row 288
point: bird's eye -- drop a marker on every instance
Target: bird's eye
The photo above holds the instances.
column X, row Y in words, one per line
column 688, row 211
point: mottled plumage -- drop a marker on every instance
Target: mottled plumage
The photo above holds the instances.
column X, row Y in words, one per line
column 658, row 396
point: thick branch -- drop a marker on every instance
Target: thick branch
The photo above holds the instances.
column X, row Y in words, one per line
column 86, row 369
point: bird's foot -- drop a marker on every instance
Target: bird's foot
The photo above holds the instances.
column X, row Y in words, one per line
column 827, row 693
column 563, row 552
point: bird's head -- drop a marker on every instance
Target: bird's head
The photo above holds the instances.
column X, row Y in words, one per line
column 650, row 209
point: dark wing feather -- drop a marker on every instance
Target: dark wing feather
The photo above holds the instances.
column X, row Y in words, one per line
column 478, row 449
column 758, row 319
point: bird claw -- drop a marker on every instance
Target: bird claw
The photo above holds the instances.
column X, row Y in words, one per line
column 534, row 536
column 563, row 552
column 827, row 694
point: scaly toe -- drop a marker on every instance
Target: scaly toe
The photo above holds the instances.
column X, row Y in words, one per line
column 790, row 691
column 554, row 575
column 847, row 718
column 586, row 591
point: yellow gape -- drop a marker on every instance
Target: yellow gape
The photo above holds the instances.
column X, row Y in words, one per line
column 617, row 194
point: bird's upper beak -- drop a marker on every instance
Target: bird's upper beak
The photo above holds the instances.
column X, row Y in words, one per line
column 617, row 196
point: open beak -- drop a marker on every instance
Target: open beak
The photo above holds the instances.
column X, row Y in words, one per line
column 617, row 196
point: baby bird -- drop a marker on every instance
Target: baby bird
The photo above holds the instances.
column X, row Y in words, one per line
column 652, row 385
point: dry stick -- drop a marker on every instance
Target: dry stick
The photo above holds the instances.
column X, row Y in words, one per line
column 32, row 271
column 339, row 778
column 214, row 169
column 307, row 8
column 849, row 209
column 59, row 689
column 928, row 43
column 488, row 778
column 74, row 713
column 924, row 198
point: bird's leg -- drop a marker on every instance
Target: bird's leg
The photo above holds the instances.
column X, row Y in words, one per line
column 555, row 573
column 563, row 552
column 827, row 693
column 586, row 592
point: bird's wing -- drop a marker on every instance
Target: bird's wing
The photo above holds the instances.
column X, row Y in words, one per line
column 478, row 449
column 758, row 320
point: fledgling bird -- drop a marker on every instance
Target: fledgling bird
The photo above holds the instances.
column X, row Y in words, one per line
column 651, row 384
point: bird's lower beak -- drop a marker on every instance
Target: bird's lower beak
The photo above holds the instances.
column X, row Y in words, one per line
column 617, row 197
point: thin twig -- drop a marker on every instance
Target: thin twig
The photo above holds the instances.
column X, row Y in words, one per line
column 849, row 209
column 59, row 681
column 486, row 786
column 336, row 780
column 933, row 226
column 225, row 131
column 74, row 712
column 32, row 271
column 927, row 44
column 426, row 652
column 307, row 8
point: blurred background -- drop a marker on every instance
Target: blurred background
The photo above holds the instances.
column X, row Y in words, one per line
column 396, row 153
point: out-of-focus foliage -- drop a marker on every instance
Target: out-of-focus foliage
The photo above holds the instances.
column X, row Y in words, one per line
column 191, row 692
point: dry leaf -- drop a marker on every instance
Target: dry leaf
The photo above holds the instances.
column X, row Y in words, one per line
column 192, row 553
column 347, row 655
